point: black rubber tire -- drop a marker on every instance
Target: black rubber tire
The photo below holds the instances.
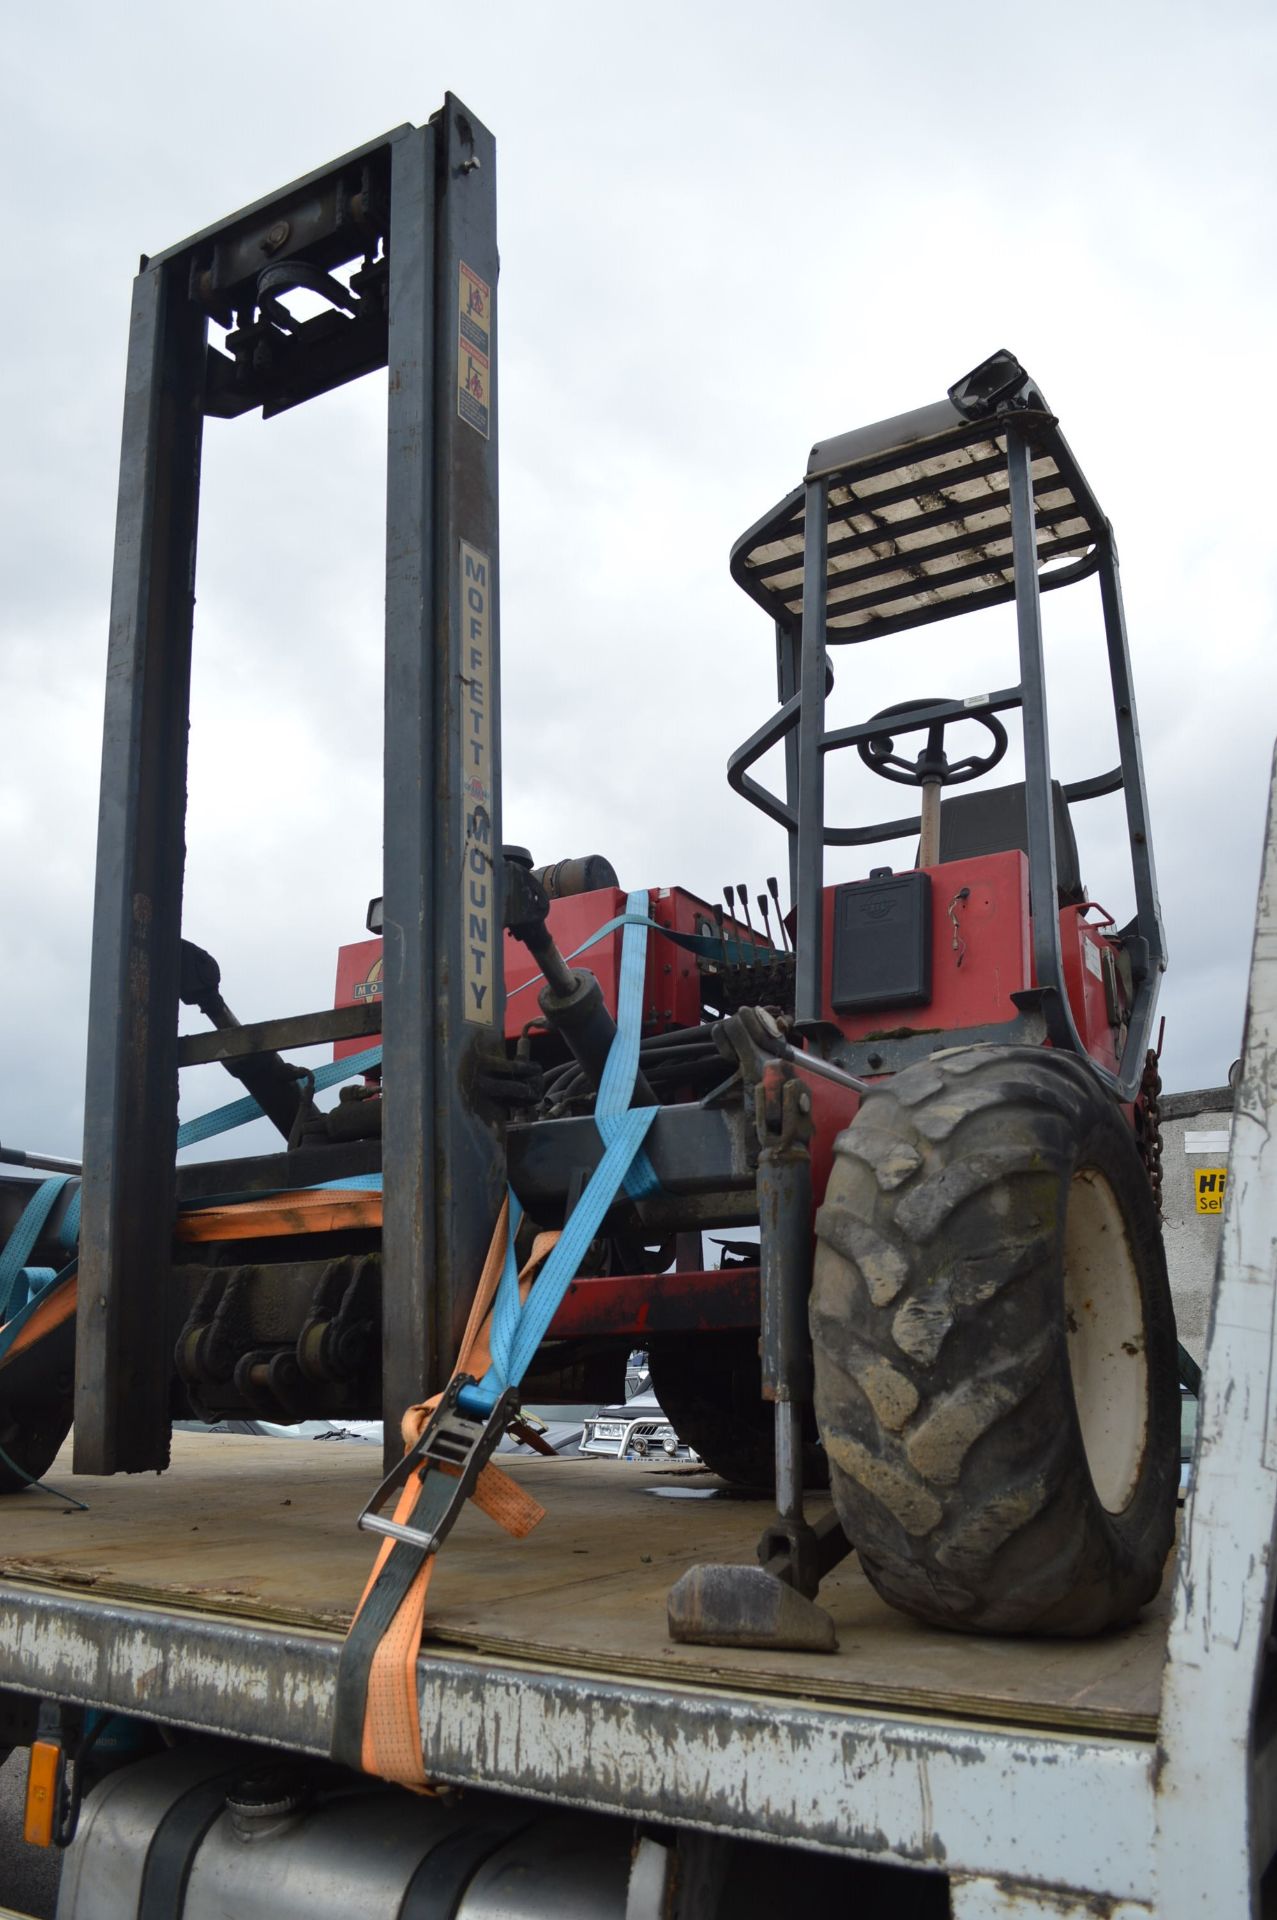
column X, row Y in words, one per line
column 31, row 1439
column 36, row 1406
column 710, row 1386
column 944, row 1392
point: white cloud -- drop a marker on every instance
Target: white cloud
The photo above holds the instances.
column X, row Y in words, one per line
column 725, row 232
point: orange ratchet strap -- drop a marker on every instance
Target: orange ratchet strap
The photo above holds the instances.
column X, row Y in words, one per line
column 261, row 1217
column 308, row 1210
column 377, row 1723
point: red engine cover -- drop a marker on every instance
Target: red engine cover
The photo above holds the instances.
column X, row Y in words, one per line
column 672, row 996
column 980, row 949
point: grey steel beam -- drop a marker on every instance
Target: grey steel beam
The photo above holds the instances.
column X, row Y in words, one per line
column 1147, row 906
column 693, row 1149
column 809, row 922
column 293, row 1030
column 1217, row 1810
column 1039, row 809
column 409, row 985
column 444, row 994
column 122, row 1367
column 1040, row 817
column 787, row 684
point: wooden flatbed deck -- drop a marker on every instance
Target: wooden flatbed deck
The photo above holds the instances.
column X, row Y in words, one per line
column 263, row 1530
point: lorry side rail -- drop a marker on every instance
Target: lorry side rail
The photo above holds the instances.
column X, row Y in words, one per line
column 1217, row 1791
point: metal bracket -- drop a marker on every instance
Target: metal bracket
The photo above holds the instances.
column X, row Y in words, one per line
column 717, row 1606
column 756, row 1037
column 773, row 1604
column 802, row 1553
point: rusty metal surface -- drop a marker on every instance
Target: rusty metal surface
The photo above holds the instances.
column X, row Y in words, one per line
column 923, row 1792
column 698, row 1300
column 131, row 1087
column 294, row 1030
column 179, row 1670
column 981, row 1897
column 746, row 1607
column 220, row 1534
column 444, row 1170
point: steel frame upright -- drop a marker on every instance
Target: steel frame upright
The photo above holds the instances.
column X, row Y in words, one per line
column 443, row 1166
column 433, row 189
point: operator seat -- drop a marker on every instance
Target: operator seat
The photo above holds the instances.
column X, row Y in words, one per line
column 995, row 820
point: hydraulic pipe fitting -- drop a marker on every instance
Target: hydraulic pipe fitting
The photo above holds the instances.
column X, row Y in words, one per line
column 571, row 999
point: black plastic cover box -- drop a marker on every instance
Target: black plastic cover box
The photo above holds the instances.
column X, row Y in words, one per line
column 882, row 943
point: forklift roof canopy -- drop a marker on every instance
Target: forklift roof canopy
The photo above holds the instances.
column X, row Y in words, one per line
column 920, row 515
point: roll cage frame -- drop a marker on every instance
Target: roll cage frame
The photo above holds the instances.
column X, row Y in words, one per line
column 942, row 511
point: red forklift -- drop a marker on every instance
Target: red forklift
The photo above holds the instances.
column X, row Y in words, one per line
column 930, row 1090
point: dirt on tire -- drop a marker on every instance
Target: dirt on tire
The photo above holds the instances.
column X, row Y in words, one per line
column 944, row 1388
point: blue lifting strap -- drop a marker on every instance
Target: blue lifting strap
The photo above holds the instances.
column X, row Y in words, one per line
column 621, row 1128
column 705, row 946
column 621, row 1069
column 237, row 1113
column 518, row 1328
column 15, row 1275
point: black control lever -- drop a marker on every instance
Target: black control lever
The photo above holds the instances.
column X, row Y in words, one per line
column 275, row 1084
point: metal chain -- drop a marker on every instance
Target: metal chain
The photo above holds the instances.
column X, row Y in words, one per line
column 1149, row 1125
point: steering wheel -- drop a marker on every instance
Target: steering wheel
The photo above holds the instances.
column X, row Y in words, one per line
column 932, row 766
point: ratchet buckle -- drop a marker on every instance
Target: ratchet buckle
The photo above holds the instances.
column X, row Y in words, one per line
column 449, row 1455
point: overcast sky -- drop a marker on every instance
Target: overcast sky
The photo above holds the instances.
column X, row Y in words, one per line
column 726, row 231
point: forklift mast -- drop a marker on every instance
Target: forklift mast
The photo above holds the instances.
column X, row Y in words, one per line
column 414, row 215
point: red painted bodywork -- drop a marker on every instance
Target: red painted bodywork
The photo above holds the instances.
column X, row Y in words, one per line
column 640, row 1304
column 1084, row 984
column 981, row 955
column 673, row 989
column 980, row 950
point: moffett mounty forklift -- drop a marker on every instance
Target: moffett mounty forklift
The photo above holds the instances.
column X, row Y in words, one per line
column 931, row 1089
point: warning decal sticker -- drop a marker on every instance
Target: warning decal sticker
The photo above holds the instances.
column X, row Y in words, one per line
column 474, row 372
column 1208, row 1188
column 478, row 891
column 370, row 989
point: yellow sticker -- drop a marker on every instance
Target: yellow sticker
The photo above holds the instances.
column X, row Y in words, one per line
column 478, row 883
column 1208, row 1188
column 474, row 371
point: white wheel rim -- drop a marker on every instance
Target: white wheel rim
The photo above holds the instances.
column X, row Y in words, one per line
column 1104, row 1314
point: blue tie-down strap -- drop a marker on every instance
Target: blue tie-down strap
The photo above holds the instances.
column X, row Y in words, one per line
column 706, row 946
column 617, row 1089
column 518, row 1328
column 15, row 1276
column 237, row 1113
column 19, row 1283
column 19, row 1317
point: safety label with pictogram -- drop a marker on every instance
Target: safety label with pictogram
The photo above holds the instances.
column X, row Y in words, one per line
column 474, row 351
column 1208, row 1188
